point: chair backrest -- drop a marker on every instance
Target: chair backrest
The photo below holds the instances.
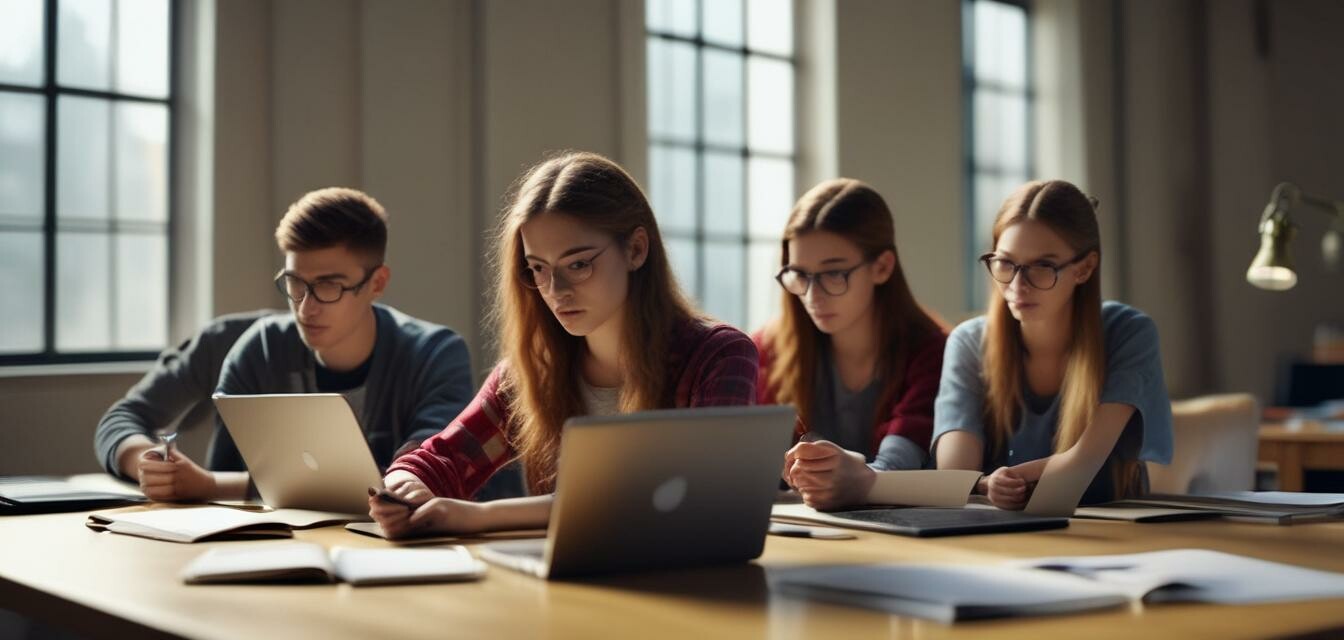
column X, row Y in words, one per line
column 1215, row 440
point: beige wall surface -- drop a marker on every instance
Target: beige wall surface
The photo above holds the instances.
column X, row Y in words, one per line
column 1178, row 116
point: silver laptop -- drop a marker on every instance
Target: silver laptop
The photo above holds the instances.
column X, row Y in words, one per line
column 304, row 451
column 658, row 489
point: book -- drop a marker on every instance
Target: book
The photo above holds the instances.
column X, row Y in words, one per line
column 373, row 530
column 22, row 495
column 1046, row 586
column 947, row 593
column 1197, row 575
column 1278, row 507
column 196, row 524
column 1142, row 514
column 308, row 562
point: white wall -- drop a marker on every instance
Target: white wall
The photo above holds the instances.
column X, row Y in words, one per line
column 436, row 107
column 899, row 123
column 1273, row 117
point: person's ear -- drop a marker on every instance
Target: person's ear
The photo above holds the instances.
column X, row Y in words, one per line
column 378, row 281
column 637, row 249
column 883, row 266
column 1087, row 267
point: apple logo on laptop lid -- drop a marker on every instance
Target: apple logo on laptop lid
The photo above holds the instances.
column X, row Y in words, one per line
column 669, row 495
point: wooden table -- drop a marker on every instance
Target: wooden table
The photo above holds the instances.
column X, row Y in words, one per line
column 54, row 569
column 1308, row 446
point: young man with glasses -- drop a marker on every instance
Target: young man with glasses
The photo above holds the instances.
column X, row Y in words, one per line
column 404, row 377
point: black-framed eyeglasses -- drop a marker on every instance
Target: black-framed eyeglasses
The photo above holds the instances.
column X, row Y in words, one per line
column 325, row 291
column 833, row 283
column 537, row 276
column 1041, row 275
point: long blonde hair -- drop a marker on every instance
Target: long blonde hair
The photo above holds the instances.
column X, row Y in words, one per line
column 1063, row 208
column 541, row 381
column 856, row 212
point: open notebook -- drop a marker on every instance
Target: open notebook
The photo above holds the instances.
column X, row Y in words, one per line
column 1058, row 585
column 307, row 562
column 195, row 524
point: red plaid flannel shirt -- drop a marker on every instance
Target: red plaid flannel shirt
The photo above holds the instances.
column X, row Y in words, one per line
column 713, row 364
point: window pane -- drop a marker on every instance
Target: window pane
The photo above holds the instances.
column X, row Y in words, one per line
column 142, row 162
column 989, row 193
column 142, row 47
column 1000, row 43
column 83, row 292
column 82, row 150
column 770, row 105
column 1000, row 131
column 673, row 187
column 84, row 41
column 142, row 292
column 725, row 177
column 723, row 22
column 671, row 89
column 725, row 284
column 723, row 98
column 770, row 196
column 763, row 293
column 22, row 165
column 21, row 281
column 770, row 26
column 671, row 16
column 21, row 50
column 681, row 253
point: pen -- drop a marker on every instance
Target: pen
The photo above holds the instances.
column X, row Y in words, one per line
column 387, row 498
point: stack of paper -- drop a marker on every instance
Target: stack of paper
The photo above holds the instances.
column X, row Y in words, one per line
column 1280, row 507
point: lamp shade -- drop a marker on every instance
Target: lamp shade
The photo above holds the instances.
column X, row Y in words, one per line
column 1272, row 268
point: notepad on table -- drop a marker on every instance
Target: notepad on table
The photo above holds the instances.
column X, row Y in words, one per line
column 308, row 562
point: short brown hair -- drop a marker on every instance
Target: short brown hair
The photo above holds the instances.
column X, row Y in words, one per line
column 335, row 216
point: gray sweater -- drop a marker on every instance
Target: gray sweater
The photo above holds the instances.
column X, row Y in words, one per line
column 419, row 379
column 179, row 385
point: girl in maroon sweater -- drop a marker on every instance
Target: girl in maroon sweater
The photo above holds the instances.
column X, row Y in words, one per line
column 852, row 349
column 590, row 322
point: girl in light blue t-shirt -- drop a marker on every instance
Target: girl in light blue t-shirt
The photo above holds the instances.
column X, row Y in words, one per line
column 1051, row 371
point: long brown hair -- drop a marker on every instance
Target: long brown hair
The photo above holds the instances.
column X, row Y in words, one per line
column 855, row 211
column 1063, row 208
column 544, row 360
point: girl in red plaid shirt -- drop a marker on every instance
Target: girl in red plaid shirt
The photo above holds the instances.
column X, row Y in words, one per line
column 590, row 321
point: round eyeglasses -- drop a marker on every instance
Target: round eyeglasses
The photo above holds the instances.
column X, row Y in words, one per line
column 1040, row 275
column 537, row 276
column 833, row 283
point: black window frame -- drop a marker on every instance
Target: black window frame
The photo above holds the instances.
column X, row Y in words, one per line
column 51, row 91
column 975, row 245
column 700, row 238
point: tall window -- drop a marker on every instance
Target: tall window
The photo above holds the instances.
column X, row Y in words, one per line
column 721, row 146
column 998, row 114
column 85, row 111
